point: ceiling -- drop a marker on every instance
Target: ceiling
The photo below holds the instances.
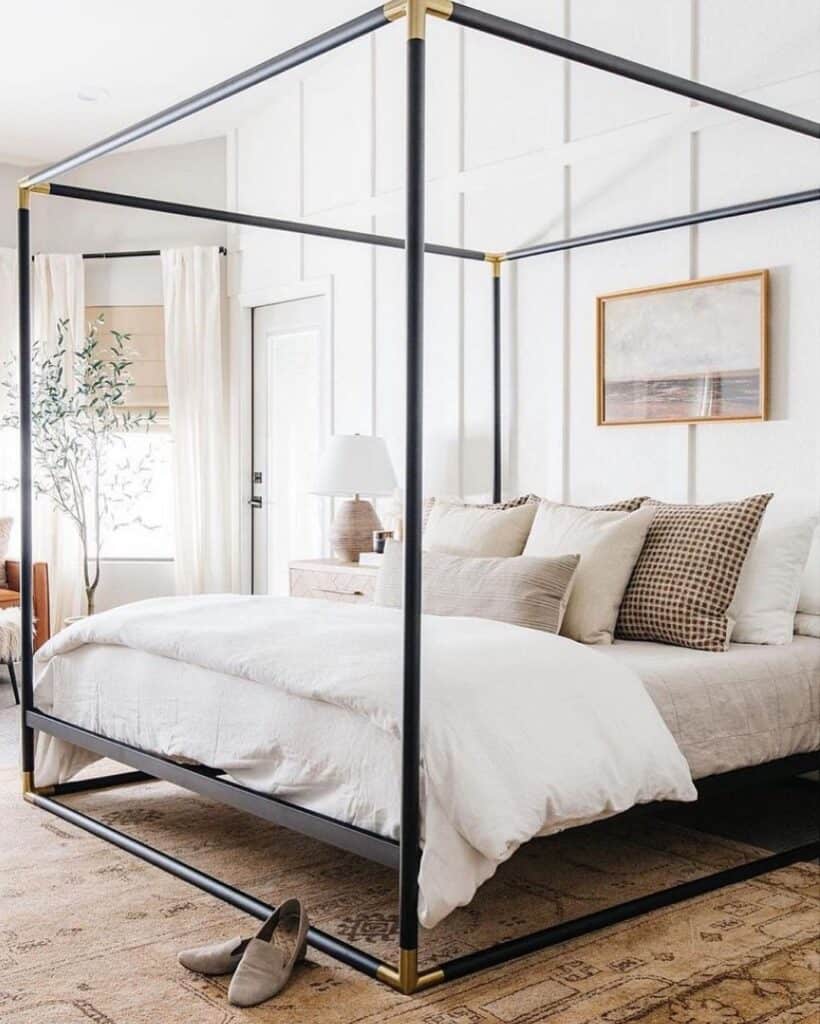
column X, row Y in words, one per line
column 144, row 56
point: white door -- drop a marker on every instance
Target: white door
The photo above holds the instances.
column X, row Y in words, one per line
column 290, row 427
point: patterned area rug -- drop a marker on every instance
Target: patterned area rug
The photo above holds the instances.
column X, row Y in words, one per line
column 90, row 934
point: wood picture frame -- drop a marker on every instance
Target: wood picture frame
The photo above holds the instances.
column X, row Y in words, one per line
column 687, row 352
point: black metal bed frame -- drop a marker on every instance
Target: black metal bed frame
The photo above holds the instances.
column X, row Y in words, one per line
column 404, row 855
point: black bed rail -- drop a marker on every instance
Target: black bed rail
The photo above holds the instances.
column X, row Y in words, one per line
column 208, row 782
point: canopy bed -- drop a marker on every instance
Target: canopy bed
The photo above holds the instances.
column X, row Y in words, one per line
column 401, row 846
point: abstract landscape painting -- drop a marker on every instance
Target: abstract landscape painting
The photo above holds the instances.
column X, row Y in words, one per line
column 684, row 353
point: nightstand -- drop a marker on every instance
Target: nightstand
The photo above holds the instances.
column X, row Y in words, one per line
column 333, row 581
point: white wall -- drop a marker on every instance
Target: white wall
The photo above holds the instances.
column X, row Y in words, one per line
column 521, row 148
column 193, row 173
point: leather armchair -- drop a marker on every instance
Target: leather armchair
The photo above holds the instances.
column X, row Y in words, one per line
column 10, row 598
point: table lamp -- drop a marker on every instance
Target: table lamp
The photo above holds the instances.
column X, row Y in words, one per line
column 354, row 464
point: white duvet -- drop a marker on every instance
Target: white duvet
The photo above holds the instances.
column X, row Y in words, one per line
column 523, row 733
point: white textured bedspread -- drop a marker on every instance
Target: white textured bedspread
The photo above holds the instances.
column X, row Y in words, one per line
column 523, row 733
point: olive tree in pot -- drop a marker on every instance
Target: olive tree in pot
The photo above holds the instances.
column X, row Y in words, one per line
column 79, row 425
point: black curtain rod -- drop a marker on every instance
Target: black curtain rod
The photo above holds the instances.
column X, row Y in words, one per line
column 128, row 255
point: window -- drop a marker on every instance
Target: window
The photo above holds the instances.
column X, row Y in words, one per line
column 146, row 326
column 151, row 535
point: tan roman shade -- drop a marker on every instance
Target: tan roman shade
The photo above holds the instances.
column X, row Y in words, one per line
column 145, row 324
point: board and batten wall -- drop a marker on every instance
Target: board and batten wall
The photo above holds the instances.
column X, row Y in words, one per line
column 522, row 147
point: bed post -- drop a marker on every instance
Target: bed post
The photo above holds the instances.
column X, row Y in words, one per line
column 406, row 978
column 26, row 595
column 495, row 260
column 411, row 704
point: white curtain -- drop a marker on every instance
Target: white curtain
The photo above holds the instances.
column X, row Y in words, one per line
column 9, row 439
column 59, row 294
column 197, row 368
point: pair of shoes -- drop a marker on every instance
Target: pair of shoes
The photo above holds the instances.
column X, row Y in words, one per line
column 260, row 967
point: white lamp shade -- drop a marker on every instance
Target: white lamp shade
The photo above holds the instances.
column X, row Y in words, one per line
column 355, row 464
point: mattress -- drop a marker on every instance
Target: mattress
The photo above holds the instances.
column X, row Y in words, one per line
column 750, row 704
column 303, row 698
column 746, row 706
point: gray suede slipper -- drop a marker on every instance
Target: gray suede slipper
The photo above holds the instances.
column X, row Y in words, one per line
column 270, row 957
column 218, row 958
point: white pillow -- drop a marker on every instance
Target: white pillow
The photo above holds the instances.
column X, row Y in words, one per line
column 458, row 529
column 767, row 592
column 609, row 544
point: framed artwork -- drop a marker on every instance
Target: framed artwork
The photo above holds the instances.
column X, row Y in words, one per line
column 690, row 352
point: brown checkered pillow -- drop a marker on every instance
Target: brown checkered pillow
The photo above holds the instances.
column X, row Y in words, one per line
column 687, row 573
column 525, row 499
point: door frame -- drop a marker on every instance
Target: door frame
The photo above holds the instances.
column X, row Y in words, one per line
column 273, row 295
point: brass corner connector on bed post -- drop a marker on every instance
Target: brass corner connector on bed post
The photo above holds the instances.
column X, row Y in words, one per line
column 416, row 12
column 30, row 790
column 407, row 979
column 24, row 194
column 495, row 259
column 28, row 786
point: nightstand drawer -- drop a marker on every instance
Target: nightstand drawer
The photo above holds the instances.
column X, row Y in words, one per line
column 350, row 584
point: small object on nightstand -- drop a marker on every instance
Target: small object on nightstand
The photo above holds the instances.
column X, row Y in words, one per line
column 380, row 538
column 354, row 464
column 329, row 580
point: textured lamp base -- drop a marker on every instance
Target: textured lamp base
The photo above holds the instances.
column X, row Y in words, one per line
column 352, row 530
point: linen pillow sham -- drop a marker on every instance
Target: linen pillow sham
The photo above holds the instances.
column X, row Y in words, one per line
column 528, row 592
column 767, row 592
column 625, row 505
column 429, row 503
column 686, row 575
column 609, row 544
column 471, row 530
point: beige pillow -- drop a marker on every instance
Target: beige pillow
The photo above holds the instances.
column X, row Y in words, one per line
column 430, row 503
column 479, row 532
column 609, row 544
column 529, row 592
column 687, row 573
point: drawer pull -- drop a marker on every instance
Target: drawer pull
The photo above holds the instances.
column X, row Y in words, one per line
column 343, row 593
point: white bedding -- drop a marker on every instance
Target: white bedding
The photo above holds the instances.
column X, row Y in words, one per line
column 524, row 733
column 733, row 709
